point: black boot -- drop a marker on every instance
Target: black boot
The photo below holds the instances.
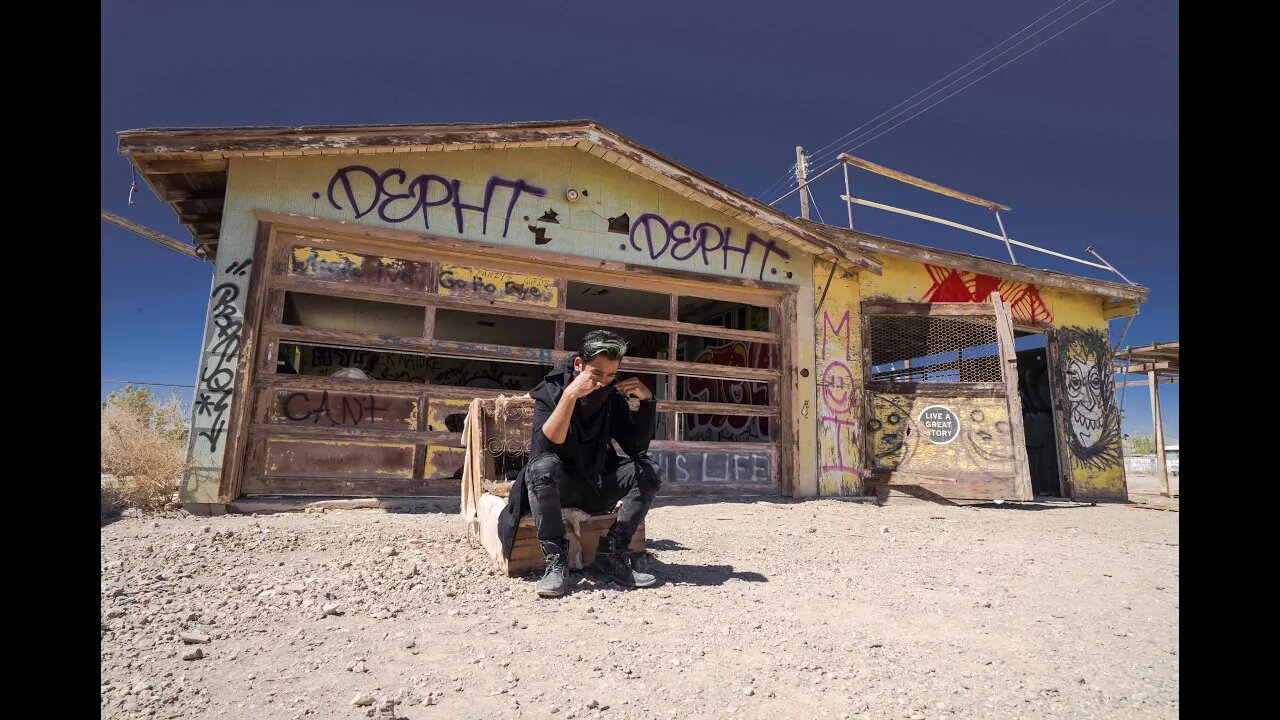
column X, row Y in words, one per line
column 555, row 582
column 614, row 560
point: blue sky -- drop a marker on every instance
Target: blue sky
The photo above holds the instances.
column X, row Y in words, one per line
column 1079, row 136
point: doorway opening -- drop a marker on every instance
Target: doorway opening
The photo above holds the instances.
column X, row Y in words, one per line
column 1038, row 421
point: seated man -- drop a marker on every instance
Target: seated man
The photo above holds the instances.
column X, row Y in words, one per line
column 579, row 408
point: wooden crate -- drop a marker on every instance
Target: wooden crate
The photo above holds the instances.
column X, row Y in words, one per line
column 583, row 531
column 498, row 432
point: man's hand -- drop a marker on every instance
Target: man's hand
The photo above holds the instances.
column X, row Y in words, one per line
column 632, row 387
column 583, row 385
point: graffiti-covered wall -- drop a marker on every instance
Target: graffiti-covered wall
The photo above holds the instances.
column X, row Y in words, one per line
column 512, row 197
column 1084, row 373
column 838, row 373
column 1089, row 418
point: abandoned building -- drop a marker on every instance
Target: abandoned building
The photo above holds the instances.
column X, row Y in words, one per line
column 369, row 282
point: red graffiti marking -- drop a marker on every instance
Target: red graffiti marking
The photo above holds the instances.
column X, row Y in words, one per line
column 952, row 285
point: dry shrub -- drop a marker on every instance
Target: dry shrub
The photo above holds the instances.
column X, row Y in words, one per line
column 144, row 445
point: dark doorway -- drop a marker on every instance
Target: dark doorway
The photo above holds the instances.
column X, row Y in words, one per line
column 1037, row 415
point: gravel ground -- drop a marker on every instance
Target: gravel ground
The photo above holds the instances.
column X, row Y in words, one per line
column 768, row 609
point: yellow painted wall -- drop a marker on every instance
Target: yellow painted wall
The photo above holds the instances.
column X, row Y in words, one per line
column 1081, row 350
column 527, row 208
column 837, row 327
column 900, row 442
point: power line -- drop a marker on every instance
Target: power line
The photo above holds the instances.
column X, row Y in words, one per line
column 818, row 153
column 814, row 202
column 816, row 156
column 789, row 173
column 139, row 382
column 1042, row 42
column 807, row 183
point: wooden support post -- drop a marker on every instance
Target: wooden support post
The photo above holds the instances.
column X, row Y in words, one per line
column 802, row 178
column 673, row 432
column 1162, row 472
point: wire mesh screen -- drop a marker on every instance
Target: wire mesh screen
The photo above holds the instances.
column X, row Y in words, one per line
column 508, row 425
column 924, row 349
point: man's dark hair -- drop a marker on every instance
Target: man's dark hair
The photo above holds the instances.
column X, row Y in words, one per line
column 602, row 342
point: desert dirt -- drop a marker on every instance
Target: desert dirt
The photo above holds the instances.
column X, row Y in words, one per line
column 769, row 608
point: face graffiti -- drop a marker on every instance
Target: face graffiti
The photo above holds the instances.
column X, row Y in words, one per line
column 891, row 439
column 989, row 441
column 1093, row 421
column 1084, row 393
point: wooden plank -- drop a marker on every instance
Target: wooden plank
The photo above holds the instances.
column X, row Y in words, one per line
column 700, row 408
column 429, row 324
column 929, row 309
column 720, row 491
column 241, row 398
column 269, row 431
column 321, row 336
column 308, row 285
column 340, row 487
column 939, row 389
column 1139, row 368
column 516, row 259
column 1162, row 473
column 976, row 231
column 199, row 218
column 374, row 270
column 443, row 462
column 154, row 236
column 1112, row 309
column 1146, row 383
column 346, row 458
column 319, row 382
column 170, row 167
column 923, row 184
column 711, row 446
column 274, row 312
column 865, row 401
column 268, row 355
column 1153, row 347
column 707, row 370
column 331, row 410
column 673, row 382
column 193, row 194
column 497, row 286
column 986, row 266
column 783, row 319
column 1009, row 357
column 440, row 411
column 491, row 351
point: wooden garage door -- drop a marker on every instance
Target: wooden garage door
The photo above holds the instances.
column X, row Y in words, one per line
column 369, row 353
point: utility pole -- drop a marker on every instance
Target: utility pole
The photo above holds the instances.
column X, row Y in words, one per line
column 802, row 177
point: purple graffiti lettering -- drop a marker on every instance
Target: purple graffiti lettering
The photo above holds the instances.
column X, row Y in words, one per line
column 343, row 176
column 837, row 425
column 394, row 186
column 676, row 240
column 700, row 233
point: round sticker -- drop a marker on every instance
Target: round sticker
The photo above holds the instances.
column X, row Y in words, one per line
column 942, row 425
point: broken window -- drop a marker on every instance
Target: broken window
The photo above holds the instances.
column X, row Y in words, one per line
column 933, row 349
